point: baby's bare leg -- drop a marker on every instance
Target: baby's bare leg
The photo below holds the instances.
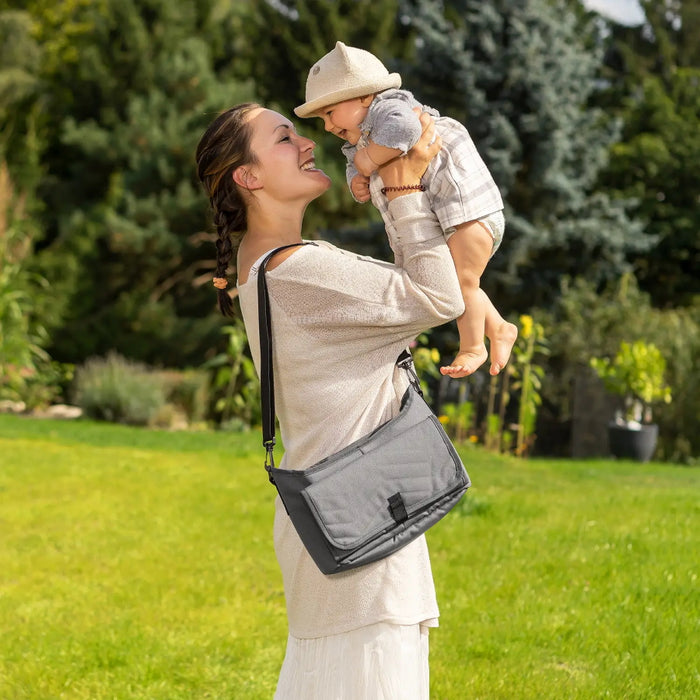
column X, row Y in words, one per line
column 501, row 334
column 471, row 246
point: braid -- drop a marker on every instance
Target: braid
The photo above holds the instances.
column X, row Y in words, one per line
column 224, row 252
column 225, row 146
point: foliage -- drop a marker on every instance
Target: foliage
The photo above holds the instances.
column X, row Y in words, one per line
column 652, row 74
column 528, row 371
column 458, row 421
column 127, row 553
column 636, row 373
column 129, row 89
column 520, row 77
column 116, row 389
column 187, row 392
column 426, row 360
column 655, row 164
column 27, row 373
column 20, row 99
column 589, row 322
column 493, row 433
column 234, row 382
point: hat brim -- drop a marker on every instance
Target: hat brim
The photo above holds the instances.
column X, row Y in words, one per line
column 309, row 109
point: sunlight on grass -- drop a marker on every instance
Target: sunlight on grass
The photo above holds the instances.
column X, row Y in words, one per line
column 139, row 564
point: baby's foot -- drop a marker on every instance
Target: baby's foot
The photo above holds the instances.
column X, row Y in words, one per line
column 501, row 344
column 465, row 363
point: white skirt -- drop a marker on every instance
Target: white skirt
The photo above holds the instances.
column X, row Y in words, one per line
column 378, row 662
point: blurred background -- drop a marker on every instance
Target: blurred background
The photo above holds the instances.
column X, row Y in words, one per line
column 586, row 113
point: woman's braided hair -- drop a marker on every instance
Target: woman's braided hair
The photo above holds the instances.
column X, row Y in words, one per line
column 224, row 147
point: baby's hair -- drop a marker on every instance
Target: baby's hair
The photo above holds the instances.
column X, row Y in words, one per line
column 224, row 147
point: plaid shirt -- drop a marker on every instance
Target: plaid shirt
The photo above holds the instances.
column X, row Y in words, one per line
column 459, row 185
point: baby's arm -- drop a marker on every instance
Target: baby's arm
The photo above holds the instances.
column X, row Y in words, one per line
column 368, row 159
column 359, row 186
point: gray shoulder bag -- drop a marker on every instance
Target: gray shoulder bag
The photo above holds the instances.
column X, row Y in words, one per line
column 373, row 496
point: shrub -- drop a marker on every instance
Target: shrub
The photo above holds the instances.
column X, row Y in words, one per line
column 587, row 323
column 636, row 373
column 235, row 389
column 188, row 393
column 118, row 390
column 27, row 373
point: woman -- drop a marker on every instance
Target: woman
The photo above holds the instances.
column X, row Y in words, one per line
column 339, row 322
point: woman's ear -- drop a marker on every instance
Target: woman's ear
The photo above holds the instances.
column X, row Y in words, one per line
column 244, row 176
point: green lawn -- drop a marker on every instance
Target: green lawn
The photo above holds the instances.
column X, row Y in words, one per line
column 139, row 564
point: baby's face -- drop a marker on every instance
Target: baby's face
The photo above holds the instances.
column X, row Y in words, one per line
column 344, row 118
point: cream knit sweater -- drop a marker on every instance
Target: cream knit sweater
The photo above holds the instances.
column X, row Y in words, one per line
column 339, row 321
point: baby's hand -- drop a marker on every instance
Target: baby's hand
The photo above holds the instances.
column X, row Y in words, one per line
column 359, row 186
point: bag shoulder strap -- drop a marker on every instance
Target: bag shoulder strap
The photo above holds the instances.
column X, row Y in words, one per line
column 267, row 379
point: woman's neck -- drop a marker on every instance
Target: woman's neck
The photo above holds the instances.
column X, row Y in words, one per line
column 277, row 222
column 265, row 231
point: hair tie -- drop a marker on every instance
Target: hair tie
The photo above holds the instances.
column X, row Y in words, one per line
column 220, row 282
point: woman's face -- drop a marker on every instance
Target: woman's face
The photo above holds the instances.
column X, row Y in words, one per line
column 285, row 165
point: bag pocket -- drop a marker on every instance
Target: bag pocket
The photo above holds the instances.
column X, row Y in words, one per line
column 356, row 503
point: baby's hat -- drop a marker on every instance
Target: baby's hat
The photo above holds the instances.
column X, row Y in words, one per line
column 344, row 73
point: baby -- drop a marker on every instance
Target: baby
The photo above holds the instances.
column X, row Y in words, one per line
column 359, row 101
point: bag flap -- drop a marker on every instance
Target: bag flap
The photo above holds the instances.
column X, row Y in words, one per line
column 355, row 503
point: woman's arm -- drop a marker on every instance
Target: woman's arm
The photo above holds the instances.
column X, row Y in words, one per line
column 324, row 288
column 409, row 169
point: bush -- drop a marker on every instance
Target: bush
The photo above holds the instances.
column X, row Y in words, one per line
column 188, row 392
column 587, row 323
column 234, row 386
column 636, row 373
column 118, row 390
column 27, row 373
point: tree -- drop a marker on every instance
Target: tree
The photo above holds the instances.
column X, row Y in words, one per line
column 520, row 76
column 130, row 87
column 20, row 55
column 653, row 85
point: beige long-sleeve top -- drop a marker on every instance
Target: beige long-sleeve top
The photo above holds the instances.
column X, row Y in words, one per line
column 339, row 321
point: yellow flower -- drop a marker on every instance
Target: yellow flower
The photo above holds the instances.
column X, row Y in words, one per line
column 444, row 420
column 473, row 438
column 435, row 355
column 526, row 326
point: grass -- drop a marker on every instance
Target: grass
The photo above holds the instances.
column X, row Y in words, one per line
column 138, row 564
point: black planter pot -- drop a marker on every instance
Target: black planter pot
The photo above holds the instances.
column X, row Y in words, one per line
column 628, row 443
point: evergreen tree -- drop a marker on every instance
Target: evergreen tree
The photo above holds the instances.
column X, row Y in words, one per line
column 520, row 76
column 130, row 86
column 653, row 85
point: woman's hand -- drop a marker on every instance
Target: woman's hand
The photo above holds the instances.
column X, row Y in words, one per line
column 407, row 170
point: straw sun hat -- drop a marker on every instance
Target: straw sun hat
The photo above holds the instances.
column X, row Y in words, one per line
column 344, row 73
